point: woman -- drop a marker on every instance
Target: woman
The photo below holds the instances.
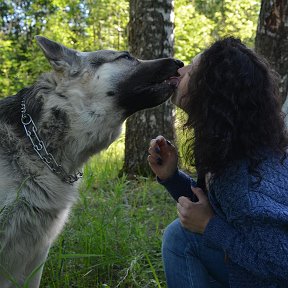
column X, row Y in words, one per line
column 234, row 231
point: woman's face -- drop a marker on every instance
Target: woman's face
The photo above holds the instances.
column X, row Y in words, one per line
column 180, row 96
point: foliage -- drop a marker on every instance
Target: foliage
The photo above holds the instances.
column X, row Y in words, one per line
column 102, row 24
column 200, row 22
column 83, row 25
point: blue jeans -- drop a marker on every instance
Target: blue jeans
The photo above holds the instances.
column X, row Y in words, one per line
column 188, row 263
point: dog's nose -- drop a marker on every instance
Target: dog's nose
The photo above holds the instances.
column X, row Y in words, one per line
column 179, row 63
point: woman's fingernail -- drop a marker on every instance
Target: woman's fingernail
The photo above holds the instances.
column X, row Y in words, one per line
column 157, row 150
column 159, row 161
column 168, row 142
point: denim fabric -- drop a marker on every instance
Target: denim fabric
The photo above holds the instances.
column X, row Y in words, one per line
column 250, row 222
column 189, row 263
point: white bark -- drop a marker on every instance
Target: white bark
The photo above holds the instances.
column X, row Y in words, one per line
column 151, row 35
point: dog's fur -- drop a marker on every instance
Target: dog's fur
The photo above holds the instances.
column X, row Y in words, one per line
column 78, row 109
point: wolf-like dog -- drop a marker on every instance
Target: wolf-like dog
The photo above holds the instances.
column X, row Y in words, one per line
column 49, row 130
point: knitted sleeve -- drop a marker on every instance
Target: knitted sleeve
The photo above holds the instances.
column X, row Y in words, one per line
column 271, row 261
column 253, row 228
column 179, row 185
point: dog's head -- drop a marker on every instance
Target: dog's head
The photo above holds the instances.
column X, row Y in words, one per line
column 112, row 78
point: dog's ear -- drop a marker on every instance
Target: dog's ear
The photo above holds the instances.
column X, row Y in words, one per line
column 60, row 57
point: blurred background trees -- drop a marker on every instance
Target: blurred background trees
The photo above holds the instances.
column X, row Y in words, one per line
column 200, row 22
column 84, row 25
column 102, row 24
column 272, row 39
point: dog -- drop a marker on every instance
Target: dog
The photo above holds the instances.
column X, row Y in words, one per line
column 49, row 130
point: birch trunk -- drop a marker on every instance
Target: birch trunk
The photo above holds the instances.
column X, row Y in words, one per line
column 272, row 39
column 150, row 36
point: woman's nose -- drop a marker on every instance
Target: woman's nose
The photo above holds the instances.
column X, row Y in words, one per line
column 183, row 70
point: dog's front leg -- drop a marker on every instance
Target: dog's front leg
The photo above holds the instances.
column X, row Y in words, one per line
column 37, row 264
column 11, row 279
column 24, row 275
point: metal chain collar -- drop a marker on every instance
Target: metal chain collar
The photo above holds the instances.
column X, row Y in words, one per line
column 39, row 147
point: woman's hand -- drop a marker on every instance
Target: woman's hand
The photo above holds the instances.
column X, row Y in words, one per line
column 195, row 216
column 163, row 158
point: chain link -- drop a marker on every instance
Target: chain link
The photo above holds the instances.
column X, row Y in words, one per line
column 39, row 147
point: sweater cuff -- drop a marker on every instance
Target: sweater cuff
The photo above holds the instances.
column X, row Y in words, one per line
column 169, row 180
column 179, row 184
column 217, row 233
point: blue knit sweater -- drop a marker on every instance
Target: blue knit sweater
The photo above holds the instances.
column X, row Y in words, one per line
column 250, row 223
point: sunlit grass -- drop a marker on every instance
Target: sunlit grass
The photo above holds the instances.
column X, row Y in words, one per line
column 113, row 237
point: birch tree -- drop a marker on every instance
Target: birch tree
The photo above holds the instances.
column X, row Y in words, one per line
column 272, row 40
column 150, row 36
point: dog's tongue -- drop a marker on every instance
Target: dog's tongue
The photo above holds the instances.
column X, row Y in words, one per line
column 173, row 81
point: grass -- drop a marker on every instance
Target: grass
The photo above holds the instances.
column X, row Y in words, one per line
column 113, row 237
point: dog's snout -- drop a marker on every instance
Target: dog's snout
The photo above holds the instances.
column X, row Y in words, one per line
column 179, row 63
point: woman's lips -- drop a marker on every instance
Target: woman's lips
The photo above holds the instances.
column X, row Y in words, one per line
column 174, row 81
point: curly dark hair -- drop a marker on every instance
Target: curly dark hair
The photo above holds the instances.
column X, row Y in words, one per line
column 234, row 109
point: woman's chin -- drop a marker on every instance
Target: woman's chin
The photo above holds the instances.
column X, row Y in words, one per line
column 175, row 99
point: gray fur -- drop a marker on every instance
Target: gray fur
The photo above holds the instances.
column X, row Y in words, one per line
column 78, row 109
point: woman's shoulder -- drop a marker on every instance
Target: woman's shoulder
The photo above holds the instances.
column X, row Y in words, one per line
column 271, row 162
column 273, row 183
column 242, row 192
column 275, row 160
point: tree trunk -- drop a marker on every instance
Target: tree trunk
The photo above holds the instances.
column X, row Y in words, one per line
column 272, row 38
column 150, row 36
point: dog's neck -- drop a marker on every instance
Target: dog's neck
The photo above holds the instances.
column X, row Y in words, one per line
column 71, row 133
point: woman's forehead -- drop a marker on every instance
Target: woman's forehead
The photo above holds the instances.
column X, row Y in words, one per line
column 194, row 63
column 196, row 59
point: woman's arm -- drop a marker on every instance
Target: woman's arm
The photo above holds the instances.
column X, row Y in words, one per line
column 271, row 261
column 179, row 185
column 251, row 238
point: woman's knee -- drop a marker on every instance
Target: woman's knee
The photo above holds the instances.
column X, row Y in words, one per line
column 173, row 237
column 177, row 239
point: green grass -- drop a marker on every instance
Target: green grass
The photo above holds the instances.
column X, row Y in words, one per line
column 113, row 237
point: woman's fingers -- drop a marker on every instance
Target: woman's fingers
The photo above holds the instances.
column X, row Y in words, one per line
column 154, row 151
column 199, row 194
column 184, row 202
column 160, row 140
column 184, row 206
column 152, row 160
column 160, row 145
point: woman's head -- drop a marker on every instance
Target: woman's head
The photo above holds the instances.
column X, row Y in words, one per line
column 182, row 93
column 233, row 105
